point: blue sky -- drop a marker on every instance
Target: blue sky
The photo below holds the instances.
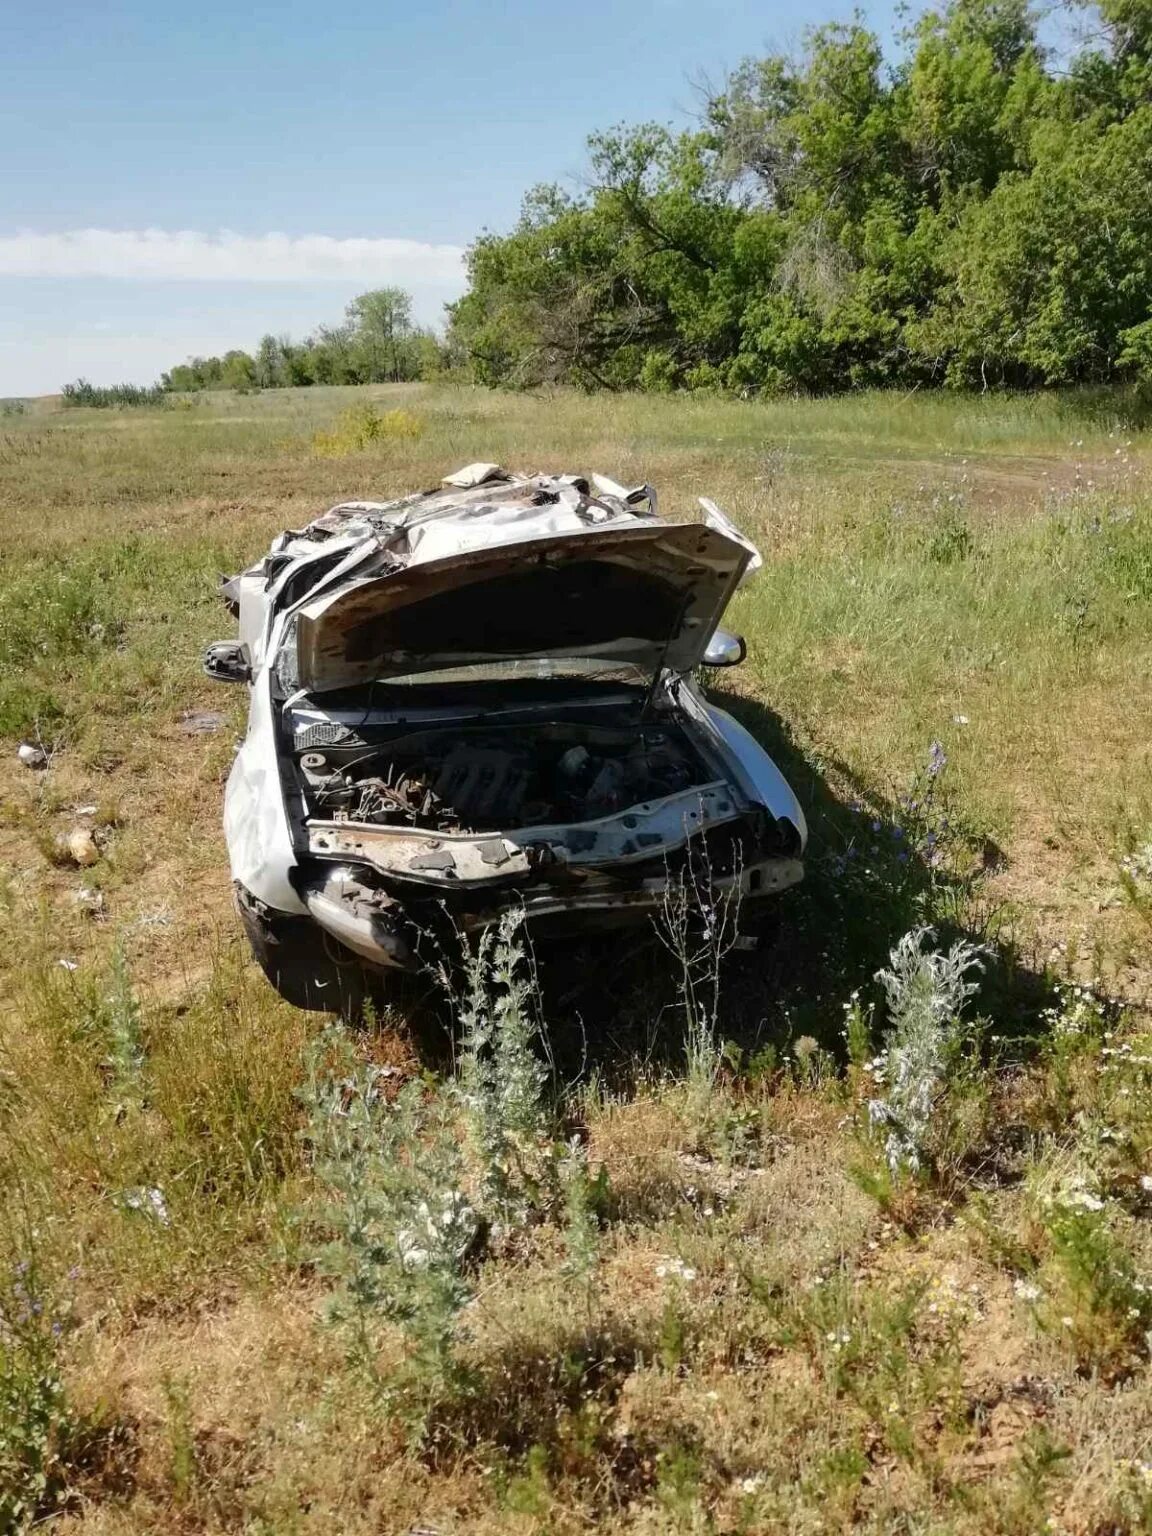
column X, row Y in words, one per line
column 407, row 128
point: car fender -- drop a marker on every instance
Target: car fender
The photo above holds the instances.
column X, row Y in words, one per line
column 256, row 829
column 758, row 775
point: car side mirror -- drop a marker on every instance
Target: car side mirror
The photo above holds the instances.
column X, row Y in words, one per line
column 228, row 662
column 725, row 650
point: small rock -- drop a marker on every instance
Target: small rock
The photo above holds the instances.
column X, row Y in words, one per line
column 161, row 918
column 201, row 722
column 89, row 900
column 31, row 755
column 78, row 847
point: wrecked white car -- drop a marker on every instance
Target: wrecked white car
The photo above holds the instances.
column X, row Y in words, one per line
column 480, row 698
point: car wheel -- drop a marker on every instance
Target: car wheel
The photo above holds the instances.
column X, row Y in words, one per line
column 307, row 968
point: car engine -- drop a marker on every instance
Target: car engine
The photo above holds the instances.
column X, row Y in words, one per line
column 487, row 780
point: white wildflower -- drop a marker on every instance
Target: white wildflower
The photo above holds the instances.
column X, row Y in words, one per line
column 150, row 1202
column 1084, row 1200
column 674, row 1269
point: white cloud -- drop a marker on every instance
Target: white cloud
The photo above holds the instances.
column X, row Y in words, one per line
column 158, row 255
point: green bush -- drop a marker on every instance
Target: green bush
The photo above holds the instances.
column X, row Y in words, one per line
column 104, row 397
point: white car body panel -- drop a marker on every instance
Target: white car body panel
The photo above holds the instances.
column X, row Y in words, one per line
column 256, row 830
column 760, row 778
column 372, row 552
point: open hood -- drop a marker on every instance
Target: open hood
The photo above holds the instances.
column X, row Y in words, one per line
column 634, row 591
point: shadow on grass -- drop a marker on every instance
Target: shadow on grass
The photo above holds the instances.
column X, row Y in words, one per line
column 880, row 861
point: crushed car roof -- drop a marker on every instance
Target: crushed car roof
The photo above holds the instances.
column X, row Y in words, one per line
column 478, row 507
column 493, row 566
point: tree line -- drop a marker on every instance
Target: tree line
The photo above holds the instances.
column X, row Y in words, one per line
column 976, row 213
column 377, row 342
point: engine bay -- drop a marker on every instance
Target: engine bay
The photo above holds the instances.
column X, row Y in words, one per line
column 481, row 779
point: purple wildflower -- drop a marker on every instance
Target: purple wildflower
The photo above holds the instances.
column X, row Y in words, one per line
column 937, row 760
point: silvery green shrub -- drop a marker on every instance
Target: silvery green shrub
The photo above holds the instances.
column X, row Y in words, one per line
column 501, row 1079
column 397, row 1219
column 925, row 991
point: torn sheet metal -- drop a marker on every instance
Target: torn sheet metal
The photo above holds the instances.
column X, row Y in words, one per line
column 475, row 474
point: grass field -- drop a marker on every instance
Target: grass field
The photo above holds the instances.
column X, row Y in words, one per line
column 682, row 1283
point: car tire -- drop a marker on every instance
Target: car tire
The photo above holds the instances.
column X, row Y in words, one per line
column 306, row 967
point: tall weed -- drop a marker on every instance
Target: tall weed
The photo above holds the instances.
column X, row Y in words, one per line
column 398, row 1222
column 925, row 991
column 32, row 1402
column 501, row 1079
column 698, row 925
column 418, row 1182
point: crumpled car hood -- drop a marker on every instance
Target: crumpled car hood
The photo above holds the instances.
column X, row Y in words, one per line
column 513, row 568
